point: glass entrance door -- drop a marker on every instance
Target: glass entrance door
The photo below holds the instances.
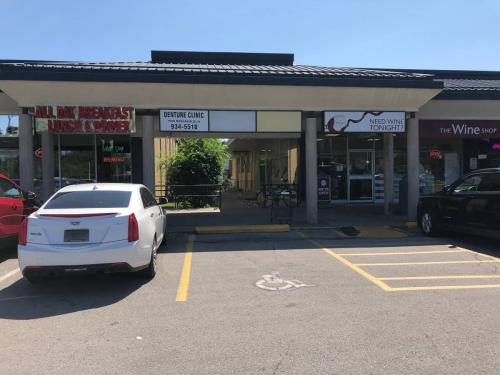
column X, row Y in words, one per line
column 361, row 176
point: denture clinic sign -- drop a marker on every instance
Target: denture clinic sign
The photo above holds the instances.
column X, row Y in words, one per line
column 83, row 119
column 364, row 122
column 181, row 120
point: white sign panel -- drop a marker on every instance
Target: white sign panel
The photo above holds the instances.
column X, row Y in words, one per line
column 233, row 121
column 181, row 120
column 364, row 122
column 473, row 163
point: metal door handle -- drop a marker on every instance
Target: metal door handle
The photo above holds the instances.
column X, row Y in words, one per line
column 152, row 215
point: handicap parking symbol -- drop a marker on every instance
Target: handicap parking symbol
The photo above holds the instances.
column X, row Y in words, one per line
column 274, row 282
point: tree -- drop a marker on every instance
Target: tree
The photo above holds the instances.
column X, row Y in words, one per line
column 196, row 162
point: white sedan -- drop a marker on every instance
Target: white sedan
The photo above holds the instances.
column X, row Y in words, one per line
column 93, row 228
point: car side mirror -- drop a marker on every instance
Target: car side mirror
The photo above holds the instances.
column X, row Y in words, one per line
column 162, row 201
column 447, row 188
column 29, row 195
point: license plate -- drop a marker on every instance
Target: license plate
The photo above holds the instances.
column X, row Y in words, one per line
column 76, row 270
column 77, row 235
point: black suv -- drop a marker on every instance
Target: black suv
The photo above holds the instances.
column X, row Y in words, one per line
column 470, row 205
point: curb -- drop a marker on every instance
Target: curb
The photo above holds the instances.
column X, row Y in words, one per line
column 243, row 229
column 312, row 228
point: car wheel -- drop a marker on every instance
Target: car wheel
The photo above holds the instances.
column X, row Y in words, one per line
column 34, row 279
column 428, row 224
column 150, row 271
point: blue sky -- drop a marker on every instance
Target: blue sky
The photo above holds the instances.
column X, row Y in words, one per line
column 425, row 34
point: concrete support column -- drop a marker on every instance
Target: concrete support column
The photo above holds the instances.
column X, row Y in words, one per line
column 26, row 152
column 388, row 173
column 311, row 171
column 47, row 165
column 148, row 153
column 413, row 151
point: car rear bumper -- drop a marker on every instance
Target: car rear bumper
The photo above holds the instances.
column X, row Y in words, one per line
column 89, row 269
column 44, row 257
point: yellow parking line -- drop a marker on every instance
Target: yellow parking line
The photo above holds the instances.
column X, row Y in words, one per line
column 444, row 287
column 374, row 280
column 186, row 272
column 441, row 277
column 409, row 252
column 417, row 263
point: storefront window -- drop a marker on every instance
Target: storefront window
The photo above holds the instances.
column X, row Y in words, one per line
column 113, row 158
column 332, row 162
column 362, row 141
column 77, row 159
column 279, row 161
column 293, row 162
column 9, row 146
column 284, row 149
column 9, row 163
column 89, row 158
column 9, row 126
column 488, row 153
column 269, row 165
column 262, row 167
column 360, row 163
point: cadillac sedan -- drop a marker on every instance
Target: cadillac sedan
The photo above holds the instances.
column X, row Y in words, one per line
column 93, row 228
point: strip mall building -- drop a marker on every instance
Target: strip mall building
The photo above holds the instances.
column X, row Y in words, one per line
column 341, row 134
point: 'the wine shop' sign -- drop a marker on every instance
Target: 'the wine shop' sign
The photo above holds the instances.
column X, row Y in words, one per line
column 364, row 122
column 82, row 119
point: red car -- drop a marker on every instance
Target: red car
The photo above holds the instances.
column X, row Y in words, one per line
column 15, row 205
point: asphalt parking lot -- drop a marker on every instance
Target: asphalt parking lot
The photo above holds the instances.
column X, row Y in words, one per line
column 302, row 302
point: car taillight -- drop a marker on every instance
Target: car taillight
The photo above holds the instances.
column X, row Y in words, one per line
column 133, row 229
column 22, row 238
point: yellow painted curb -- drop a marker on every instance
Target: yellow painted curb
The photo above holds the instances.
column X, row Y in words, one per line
column 243, row 229
column 411, row 225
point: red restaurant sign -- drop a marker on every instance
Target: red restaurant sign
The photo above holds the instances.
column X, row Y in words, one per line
column 435, row 154
column 459, row 129
column 71, row 119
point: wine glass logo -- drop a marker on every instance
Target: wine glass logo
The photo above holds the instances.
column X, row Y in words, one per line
column 337, row 123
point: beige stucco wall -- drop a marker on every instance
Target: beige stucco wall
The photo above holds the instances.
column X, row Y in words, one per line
column 8, row 106
column 460, row 109
column 198, row 96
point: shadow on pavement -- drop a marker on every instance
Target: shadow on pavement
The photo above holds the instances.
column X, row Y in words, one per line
column 8, row 253
column 293, row 241
column 479, row 244
column 65, row 295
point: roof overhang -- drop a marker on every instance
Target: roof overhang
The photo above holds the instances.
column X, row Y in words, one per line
column 148, row 95
column 8, row 106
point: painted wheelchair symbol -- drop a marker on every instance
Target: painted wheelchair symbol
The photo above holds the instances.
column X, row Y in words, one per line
column 280, row 283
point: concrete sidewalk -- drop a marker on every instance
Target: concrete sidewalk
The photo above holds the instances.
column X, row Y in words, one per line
column 235, row 213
